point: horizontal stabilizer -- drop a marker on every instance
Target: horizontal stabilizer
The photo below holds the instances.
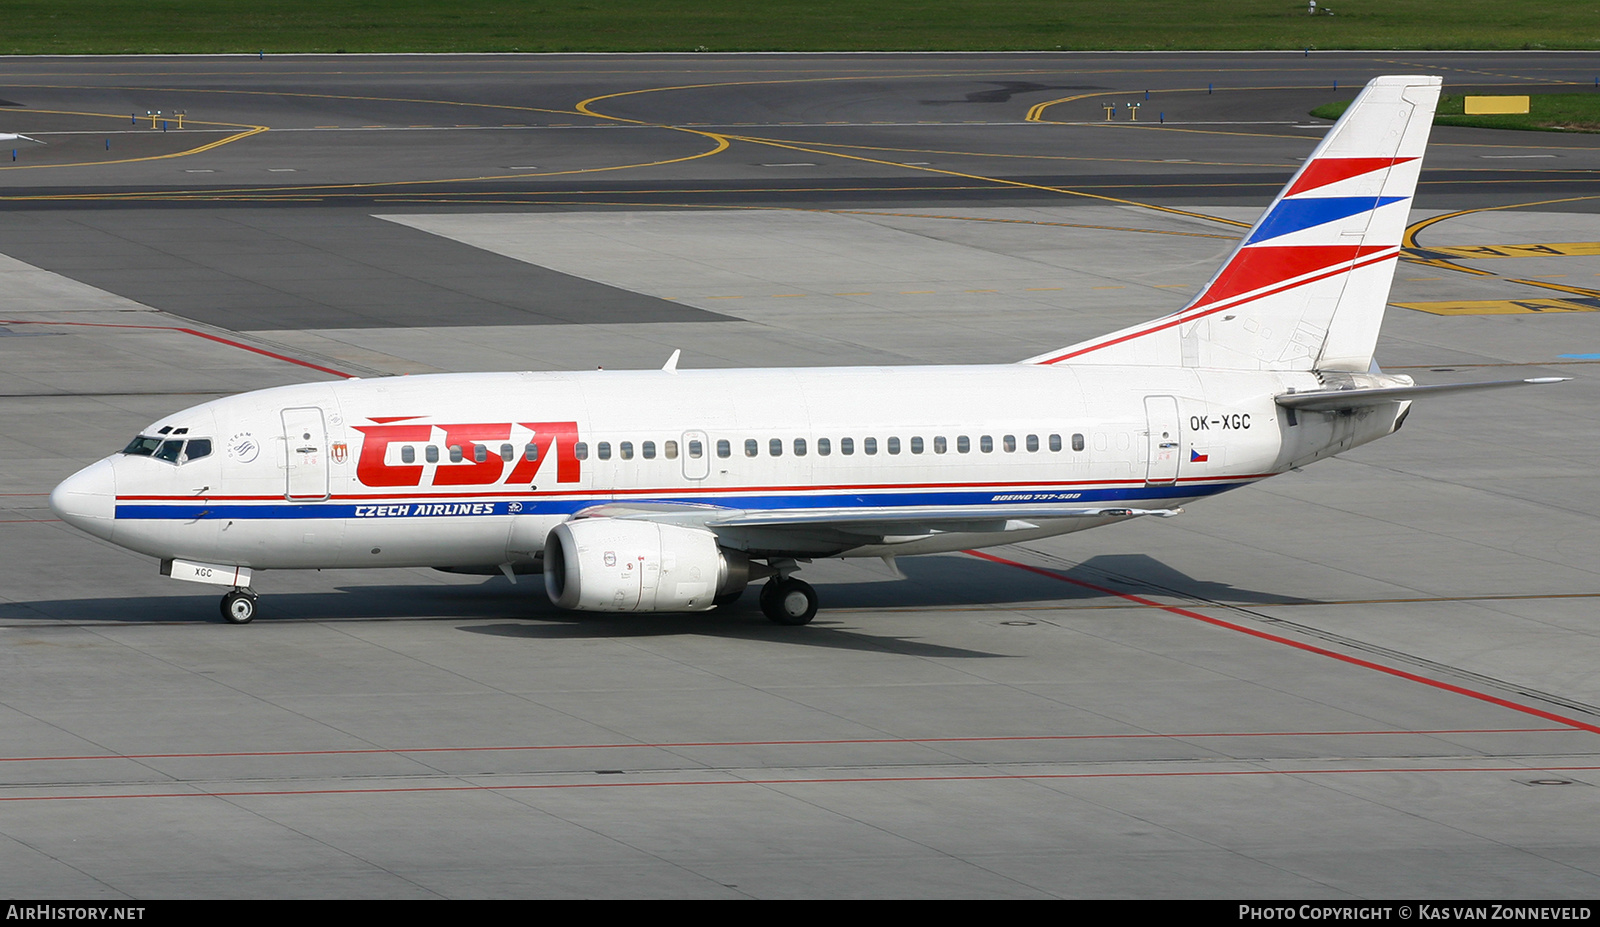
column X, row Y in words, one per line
column 1339, row 399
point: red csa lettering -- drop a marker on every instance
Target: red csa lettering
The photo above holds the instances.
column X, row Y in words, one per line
column 553, row 439
column 470, row 472
column 370, row 468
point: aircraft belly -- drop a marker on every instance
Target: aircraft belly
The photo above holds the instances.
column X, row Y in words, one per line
column 949, row 541
column 436, row 541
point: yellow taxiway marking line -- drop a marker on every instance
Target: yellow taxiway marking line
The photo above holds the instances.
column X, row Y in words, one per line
column 1067, row 225
column 249, row 130
column 1500, row 306
column 1548, row 249
column 586, row 107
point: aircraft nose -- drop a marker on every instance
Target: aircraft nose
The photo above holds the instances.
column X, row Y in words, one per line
column 87, row 500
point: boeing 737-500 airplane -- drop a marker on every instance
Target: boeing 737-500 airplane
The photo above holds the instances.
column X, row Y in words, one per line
column 670, row 490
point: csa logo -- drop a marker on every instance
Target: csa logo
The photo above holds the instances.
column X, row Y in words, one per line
column 243, row 447
column 341, row 451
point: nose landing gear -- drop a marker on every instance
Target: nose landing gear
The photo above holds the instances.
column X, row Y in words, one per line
column 239, row 607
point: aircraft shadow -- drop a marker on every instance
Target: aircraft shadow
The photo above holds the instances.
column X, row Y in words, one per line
column 929, row 582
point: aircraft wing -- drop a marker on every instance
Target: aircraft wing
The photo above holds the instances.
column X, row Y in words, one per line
column 856, row 525
column 1340, row 399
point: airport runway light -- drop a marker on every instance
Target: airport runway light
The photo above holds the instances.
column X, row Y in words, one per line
column 1111, row 110
column 1133, row 112
column 179, row 113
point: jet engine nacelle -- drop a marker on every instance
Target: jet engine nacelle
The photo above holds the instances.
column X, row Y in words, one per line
column 618, row 565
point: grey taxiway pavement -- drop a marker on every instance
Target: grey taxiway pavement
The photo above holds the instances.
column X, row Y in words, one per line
column 1372, row 678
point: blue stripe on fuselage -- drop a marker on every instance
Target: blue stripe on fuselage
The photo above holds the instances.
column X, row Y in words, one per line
column 192, row 511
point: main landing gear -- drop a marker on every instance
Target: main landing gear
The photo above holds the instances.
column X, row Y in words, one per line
column 788, row 601
column 239, row 607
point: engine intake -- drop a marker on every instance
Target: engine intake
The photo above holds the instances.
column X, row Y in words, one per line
column 619, row 565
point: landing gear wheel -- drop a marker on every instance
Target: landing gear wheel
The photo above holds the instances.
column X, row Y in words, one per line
column 788, row 601
column 239, row 607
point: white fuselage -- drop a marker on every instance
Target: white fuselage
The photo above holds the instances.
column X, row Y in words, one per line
column 434, row 470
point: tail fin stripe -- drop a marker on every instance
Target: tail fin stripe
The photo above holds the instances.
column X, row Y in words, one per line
column 1307, row 287
column 1188, row 315
column 1269, row 264
column 1297, row 215
column 1324, row 171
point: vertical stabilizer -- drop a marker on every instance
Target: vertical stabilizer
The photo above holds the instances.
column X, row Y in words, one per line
column 1306, row 289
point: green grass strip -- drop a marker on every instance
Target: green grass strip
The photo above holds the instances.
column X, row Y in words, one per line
column 1547, row 112
column 331, row 26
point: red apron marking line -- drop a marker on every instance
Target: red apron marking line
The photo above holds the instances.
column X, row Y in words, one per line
column 198, row 334
column 843, row 780
column 1437, row 684
column 776, row 743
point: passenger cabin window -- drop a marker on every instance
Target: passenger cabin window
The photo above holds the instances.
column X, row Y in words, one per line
column 1010, row 443
column 1055, row 442
column 775, row 447
column 986, row 444
column 625, row 450
column 648, row 450
column 847, row 446
column 669, row 450
column 1033, row 443
column 823, row 447
column 455, row 453
column 869, row 446
column 916, row 445
column 964, row 444
column 581, row 450
column 480, row 453
column 724, row 449
column 508, row 453
column 751, row 447
column 530, row 453
column 603, row 450
column 408, row 454
column 799, row 447
column 939, row 446
column 1077, row 442
column 431, row 453
column 697, row 450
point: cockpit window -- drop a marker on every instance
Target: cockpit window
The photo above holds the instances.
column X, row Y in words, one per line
column 170, row 450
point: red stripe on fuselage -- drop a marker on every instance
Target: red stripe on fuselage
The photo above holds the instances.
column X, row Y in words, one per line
column 680, row 490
